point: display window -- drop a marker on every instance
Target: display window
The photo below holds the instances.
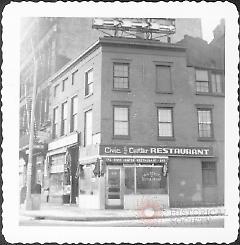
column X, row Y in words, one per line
column 88, row 183
column 56, row 184
column 145, row 180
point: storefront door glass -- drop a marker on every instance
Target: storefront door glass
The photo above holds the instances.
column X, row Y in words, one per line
column 114, row 195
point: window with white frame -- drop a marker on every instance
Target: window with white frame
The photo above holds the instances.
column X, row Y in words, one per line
column 120, row 76
column 64, row 119
column 74, row 77
column 88, row 128
column 89, row 82
column 165, row 122
column 205, row 129
column 202, row 81
column 74, row 113
column 55, row 123
column 121, row 121
column 56, row 90
column 216, row 83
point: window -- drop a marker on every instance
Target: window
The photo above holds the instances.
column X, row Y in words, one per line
column 89, row 82
column 64, row 119
column 88, row 183
column 165, row 122
column 120, row 76
column 56, row 88
column 163, row 74
column 145, row 180
column 74, row 76
column 74, row 112
column 216, row 83
column 205, row 123
column 129, row 180
column 55, row 122
column 64, row 84
column 121, row 121
column 88, row 127
column 209, row 175
column 202, row 81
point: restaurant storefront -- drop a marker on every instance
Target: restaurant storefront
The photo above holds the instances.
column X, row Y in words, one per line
column 130, row 177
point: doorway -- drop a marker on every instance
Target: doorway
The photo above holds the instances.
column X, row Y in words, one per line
column 114, row 187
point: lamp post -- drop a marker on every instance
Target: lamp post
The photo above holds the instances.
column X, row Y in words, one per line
column 28, row 203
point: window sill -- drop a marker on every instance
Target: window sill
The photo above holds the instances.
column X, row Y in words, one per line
column 206, row 139
column 121, row 137
column 121, row 90
column 211, row 94
column 163, row 92
column 86, row 96
column 166, row 138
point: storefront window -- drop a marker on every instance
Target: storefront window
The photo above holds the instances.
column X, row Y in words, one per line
column 88, row 182
column 56, row 184
column 148, row 180
column 129, row 180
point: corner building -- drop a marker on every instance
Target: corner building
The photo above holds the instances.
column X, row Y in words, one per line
column 135, row 126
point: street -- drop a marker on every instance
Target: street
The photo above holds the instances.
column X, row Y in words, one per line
column 204, row 221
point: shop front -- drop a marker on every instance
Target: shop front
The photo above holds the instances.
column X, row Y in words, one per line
column 60, row 170
column 136, row 177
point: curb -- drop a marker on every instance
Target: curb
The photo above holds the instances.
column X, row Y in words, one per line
column 111, row 218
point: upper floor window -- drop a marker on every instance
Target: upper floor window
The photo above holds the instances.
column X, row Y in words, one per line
column 89, row 82
column 74, row 77
column 64, row 83
column 121, row 121
column 205, row 129
column 74, row 111
column 202, row 81
column 88, row 128
column 165, row 122
column 55, row 123
column 56, row 90
column 209, row 82
column 216, row 83
column 120, row 76
column 64, row 119
column 163, row 79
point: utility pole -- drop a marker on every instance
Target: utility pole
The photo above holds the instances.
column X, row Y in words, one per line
column 28, row 204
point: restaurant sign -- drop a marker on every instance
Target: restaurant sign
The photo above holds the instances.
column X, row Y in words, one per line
column 130, row 150
column 126, row 160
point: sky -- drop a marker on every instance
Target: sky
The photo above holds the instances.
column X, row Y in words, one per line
column 208, row 25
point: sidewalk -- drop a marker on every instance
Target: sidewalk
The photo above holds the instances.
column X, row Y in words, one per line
column 74, row 213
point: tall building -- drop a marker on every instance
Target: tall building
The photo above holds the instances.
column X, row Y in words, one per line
column 137, row 122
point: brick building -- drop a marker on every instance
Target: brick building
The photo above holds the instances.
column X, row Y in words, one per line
column 55, row 41
column 138, row 122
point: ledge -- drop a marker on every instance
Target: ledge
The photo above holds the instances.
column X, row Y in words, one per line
column 206, row 139
column 121, row 90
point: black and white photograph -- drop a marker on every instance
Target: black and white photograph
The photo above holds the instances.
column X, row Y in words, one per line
column 124, row 125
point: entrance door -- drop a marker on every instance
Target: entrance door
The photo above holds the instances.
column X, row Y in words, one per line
column 114, row 195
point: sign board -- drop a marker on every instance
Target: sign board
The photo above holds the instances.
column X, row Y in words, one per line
column 129, row 150
column 68, row 140
column 136, row 160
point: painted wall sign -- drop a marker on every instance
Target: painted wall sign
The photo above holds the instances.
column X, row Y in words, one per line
column 135, row 160
column 129, row 150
